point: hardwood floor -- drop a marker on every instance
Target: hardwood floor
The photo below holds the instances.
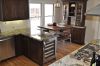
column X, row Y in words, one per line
column 62, row 50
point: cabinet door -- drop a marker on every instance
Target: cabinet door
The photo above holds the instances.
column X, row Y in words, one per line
column 22, row 9
column 8, row 10
column 36, row 51
column 14, row 10
column 26, row 45
column 18, row 45
column 78, row 35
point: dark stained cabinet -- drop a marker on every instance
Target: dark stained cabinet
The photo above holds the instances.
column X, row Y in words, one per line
column 80, row 12
column 36, row 50
column 75, row 9
column 22, row 9
column 78, row 34
column 19, row 44
column 14, row 10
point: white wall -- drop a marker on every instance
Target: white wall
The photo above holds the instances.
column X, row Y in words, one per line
column 91, row 28
column 92, row 22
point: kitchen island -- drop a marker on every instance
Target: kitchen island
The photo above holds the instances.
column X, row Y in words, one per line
column 39, row 48
column 80, row 57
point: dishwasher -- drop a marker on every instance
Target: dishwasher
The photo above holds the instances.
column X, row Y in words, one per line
column 7, row 49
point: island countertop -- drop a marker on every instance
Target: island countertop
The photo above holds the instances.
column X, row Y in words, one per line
column 76, row 58
column 43, row 36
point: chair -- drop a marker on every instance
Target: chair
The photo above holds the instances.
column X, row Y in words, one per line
column 64, row 34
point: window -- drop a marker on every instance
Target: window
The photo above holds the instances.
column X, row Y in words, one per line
column 48, row 14
column 35, row 14
column 40, row 16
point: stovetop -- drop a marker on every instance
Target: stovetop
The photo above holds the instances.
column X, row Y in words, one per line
column 86, row 52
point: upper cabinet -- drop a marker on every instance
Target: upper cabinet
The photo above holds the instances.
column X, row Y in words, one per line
column 72, row 7
column 75, row 9
column 80, row 12
column 14, row 10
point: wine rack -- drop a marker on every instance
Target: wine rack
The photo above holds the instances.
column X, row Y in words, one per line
column 49, row 50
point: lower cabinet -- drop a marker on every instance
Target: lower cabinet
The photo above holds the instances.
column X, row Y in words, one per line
column 38, row 51
column 18, row 44
column 78, row 34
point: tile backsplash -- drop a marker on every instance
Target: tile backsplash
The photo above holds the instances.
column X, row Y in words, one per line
column 15, row 27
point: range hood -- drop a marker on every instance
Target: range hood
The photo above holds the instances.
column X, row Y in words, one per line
column 94, row 11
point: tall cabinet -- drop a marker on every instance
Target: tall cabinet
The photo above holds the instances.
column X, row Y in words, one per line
column 76, row 9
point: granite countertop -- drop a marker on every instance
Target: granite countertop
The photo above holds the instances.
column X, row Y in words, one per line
column 40, row 37
column 69, row 61
column 76, row 58
column 43, row 36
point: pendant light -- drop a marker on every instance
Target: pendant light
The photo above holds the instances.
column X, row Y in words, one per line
column 57, row 4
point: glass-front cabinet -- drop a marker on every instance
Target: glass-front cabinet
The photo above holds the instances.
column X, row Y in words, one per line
column 74, row 15
column 74, row 12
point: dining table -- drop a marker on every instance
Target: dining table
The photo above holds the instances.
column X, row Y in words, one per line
column 55, row 28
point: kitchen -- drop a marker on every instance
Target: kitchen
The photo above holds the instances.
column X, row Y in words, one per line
column 23, row 26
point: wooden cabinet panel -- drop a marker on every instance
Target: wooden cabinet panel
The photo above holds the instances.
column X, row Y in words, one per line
column 29, row 47
column 14, row 10
column 22, row 45
column 78, row 34
column 34, row 49
column 8, row 10
column 22, row 9
column 26, row 45
column 18, row 45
